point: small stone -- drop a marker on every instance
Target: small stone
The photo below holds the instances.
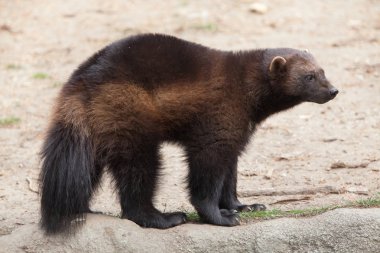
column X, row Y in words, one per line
column 269, row 174
column 338, row 165
column 259, row 8
column 361, row 190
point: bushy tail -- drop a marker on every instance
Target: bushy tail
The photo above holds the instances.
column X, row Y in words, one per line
column 67, row 162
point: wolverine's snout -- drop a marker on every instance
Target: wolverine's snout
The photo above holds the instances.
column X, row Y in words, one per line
column 333, row 92
column 322, row 94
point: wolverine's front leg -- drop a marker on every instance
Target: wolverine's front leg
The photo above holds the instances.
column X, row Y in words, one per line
column 229, row 198
column 208, row 169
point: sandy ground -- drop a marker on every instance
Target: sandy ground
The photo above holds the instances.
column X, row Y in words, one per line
column 292, row 156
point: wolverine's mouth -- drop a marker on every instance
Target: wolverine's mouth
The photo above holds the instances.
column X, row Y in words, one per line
column 322, row 97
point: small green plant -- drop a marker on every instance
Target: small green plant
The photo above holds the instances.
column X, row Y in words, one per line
column 9, row 121
column 184, row 2
column 40, row 75
column 276, row 213
column 193, row 217
column 268, row 214
column 13, row 66
column 370, row 202
column 206, row 27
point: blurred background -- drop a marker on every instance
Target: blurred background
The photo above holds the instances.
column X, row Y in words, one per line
column 312, row 155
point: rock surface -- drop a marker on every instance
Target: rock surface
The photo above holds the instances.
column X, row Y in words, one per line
column 341, row 230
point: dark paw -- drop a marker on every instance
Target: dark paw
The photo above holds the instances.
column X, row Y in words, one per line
column 251, row 208
column 175, row 218
column 94, row 212
column 226, row 212
column 258, row 207
column 155, row 219
column 228, row 218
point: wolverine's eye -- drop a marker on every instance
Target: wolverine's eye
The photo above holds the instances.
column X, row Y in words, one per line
column 310, row 77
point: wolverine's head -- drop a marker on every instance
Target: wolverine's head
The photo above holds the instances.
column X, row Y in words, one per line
column 296, row 73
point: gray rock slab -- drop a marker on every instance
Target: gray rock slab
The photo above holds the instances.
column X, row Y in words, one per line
column 340, row 230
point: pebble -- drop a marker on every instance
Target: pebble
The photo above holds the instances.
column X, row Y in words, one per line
column 259, row 8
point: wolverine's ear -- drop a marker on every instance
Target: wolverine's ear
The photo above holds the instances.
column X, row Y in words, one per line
column 277, row 65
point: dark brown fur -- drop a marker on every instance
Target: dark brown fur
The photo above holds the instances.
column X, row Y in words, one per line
column 124, row 101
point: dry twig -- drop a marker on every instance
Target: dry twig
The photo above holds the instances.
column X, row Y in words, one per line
column 292, row 191
column 31, row 187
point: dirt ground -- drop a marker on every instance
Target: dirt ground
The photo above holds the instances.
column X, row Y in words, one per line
column 312, row 155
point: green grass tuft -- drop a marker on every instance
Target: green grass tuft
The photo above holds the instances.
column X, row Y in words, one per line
column 40, row 75
column 12, row 66
column 9, row 121
column 276, row 213
column 184, row 2
column 193, row 217
column 269, row 214
column 370, row 202
column 206, row 27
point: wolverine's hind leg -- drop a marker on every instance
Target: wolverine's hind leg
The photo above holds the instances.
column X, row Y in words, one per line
column 136, row 172
column 96, row 176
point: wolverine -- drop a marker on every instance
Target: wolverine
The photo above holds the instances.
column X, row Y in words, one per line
column 124, row 101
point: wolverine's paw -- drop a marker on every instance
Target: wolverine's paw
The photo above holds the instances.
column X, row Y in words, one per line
column 251, row 208
column 93, row 212
column 226, row 212
column 258, row 207
column 155, row 219
column 228, row 218
column 175, row 218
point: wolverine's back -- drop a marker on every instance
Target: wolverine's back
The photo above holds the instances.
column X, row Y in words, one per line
column 149, row 60
column 143, row 85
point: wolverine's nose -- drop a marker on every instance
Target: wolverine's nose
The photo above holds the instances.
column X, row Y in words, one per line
column 333, row 92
